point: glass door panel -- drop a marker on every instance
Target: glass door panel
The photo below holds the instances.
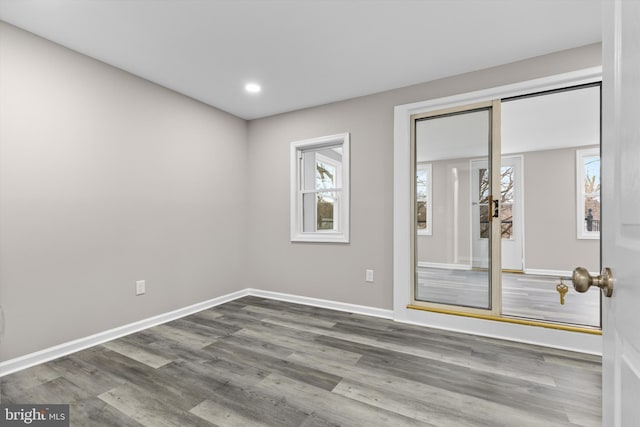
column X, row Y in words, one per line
column 453, row 252
column 556, row 136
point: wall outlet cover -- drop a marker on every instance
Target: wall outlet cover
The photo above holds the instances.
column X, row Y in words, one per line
column 140, row 287
column 369, row 275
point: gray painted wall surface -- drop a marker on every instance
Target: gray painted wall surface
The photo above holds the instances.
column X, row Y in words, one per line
column 106, row 179
column 550, row 214
column 447, row 223
column 334, row 271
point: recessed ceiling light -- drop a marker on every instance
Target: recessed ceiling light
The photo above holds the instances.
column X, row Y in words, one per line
column 252, row 87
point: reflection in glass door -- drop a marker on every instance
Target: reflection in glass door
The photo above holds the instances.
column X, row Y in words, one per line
column 557, row 136
column 447, row 255
column 507, row 204
column 510, row 198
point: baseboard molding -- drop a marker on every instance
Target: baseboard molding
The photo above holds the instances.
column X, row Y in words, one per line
column 423, row 264
column 23, row 362
column 47, row 354
column 323, row 303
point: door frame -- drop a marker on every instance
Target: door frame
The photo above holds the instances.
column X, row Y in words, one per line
column 511, row 329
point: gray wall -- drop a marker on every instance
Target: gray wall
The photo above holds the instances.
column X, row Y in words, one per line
column 439, row 247
column 106, row 179
column 550, row 214
column 335, row 271
column 550, row 241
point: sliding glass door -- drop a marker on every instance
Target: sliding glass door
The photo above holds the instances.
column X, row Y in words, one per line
column 556, row 135
column 454, row 209
column 506, row 205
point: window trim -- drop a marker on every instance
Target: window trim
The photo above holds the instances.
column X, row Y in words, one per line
column 428, row 167
column 581, row 233
column 296, row 219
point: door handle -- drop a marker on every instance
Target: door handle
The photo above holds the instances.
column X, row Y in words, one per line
column 582, row 280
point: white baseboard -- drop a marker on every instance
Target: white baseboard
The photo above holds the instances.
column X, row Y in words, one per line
column 47, row 354
column 424, row 264
column 23, row 362
column 323, row 303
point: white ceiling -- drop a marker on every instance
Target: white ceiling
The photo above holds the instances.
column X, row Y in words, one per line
column 304, row 52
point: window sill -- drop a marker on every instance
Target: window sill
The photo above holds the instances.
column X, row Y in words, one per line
column 320, row 238
column 589, row 237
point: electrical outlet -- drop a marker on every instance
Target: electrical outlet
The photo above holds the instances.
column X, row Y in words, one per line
column 141, row 287
column 368, row 275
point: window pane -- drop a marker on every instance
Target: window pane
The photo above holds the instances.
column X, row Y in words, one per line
column 506, row 201
column 507, row 221
column 320, row 211
column 485, row 225
column 483, row 182
column 325, row 176
column 309, row 212
column 421, row 184
column 422, row 215
column 591, row 193
column 422, row 195
column 506, row 185
column 483, row 191
column 326, row 203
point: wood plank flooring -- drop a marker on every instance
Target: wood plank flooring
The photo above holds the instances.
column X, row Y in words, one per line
column 523, row 295
column 261, row 362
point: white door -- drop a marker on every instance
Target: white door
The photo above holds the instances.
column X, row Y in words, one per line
column 510, row 213
column 621, row 218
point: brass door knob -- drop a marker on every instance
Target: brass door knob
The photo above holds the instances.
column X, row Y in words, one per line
column 582, row 280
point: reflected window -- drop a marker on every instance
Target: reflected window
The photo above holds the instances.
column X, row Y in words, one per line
column 424, row 205
column 588, row 192
column 506, row 202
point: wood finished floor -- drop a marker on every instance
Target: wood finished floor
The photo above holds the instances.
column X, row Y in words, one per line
column 261, row 362
column 523, row 295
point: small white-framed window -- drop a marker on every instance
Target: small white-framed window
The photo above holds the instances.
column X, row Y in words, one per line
column 588, row 193
column 424, row 205
column 320, row 189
